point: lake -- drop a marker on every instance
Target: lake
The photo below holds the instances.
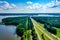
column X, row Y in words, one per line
column 7, row 32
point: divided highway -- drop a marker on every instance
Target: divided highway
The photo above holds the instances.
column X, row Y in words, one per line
column 39, row 28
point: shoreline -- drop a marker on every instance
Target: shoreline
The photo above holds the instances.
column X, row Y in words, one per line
column 1, row 23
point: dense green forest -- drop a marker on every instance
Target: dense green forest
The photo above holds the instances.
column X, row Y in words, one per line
column 14, row 20
column 53, row 21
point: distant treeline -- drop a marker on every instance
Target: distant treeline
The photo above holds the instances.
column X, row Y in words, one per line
column 53, row 21
column 14, row 20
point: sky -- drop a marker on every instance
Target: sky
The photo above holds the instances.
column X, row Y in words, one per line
column 29, row 6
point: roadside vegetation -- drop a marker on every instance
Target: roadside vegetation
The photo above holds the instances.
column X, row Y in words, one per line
column 1, row 23
column 51, row 24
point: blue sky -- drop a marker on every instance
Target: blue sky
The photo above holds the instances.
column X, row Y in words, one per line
column 23, row 1
column 29, row 6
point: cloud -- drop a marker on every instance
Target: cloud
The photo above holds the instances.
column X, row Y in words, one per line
column 34, row 6
column 48, row 5
column 53, row 4
column 38, row 6
column 29, row 2
column 5, row 5
column 57, row 4
column 29, row 7
column 1, row 9
column 20, row 10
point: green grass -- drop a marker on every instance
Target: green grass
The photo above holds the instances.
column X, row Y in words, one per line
column 27, row 33
column 48, row 33
column 45, row 37
column 42, row 25
column 58, row 32
column 39, row 32
column 44, row 30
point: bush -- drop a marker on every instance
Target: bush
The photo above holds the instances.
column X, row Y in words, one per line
column 50, row 29
column 34, row 35
column 30, row 24
column 20, row 30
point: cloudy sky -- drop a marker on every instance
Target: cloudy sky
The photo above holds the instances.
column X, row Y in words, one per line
column 29, row 6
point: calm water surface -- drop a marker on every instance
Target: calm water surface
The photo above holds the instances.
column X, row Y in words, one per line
column 7, row 32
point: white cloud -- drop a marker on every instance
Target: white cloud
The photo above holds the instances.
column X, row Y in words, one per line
column 51, row 4
column 33, row 8
column 13, row 5
column 39, row 6
column 48, row 5
column 36, row 6
column 29, row 7
column 49, row 10
column 29, row 2
column 1, row 9
column 51, row 7
column 5, row 5
column 57, row 4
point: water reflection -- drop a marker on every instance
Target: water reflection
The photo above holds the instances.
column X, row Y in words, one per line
column 7, row 32
column 1, row 17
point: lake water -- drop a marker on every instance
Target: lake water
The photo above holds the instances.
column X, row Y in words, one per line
column 7, row 32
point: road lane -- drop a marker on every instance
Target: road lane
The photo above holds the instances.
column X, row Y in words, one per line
column 41, row 29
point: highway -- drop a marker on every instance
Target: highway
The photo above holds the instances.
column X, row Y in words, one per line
column 47, row 34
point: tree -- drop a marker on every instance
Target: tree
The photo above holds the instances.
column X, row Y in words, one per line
column 20, row 30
